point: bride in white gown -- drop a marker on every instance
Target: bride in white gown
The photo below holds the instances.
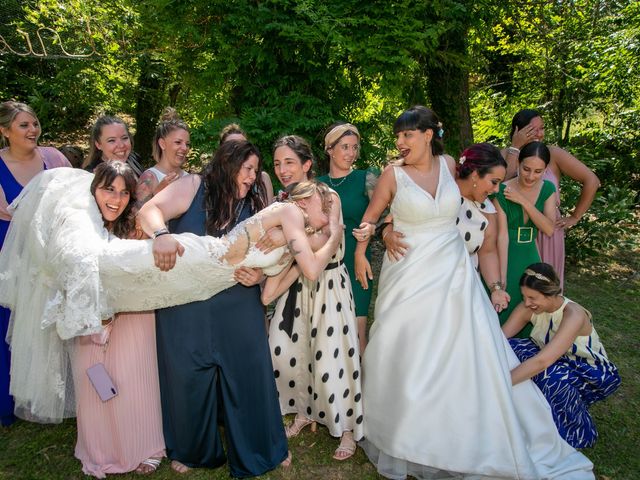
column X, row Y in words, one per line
column 437, row 391
column 61, row 273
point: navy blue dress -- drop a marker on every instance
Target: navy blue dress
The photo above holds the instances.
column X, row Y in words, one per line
column 215, row 368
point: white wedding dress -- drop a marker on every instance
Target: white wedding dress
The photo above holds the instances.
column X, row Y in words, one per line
column 437, row 393
column 61, row 273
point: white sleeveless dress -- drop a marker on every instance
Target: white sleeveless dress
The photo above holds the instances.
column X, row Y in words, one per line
column 438, row 399
column 61, row 273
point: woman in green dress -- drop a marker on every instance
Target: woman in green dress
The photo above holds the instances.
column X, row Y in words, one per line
column 528, row 205
column 355, row 187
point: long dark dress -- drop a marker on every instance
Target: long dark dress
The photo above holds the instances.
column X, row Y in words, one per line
column 11, row 189
column 214, row 361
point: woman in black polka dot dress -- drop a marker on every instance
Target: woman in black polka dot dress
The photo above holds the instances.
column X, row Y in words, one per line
column 313, row 335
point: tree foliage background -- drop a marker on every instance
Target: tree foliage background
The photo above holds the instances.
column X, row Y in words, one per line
column 296, row 66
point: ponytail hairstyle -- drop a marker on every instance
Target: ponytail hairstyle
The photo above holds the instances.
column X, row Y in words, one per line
column 481, row 158
column 535, row 149
column 104, row 175
column 169, row 121
column 522, row 119
column 8, row 112
column 542, row 278
column 95, row 154
column 231, row 129
column 300, row 147
column 220, row 189
column 423, row 119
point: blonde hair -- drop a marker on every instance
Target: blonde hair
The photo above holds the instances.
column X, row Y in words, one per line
column 303, row 190
column 8, row 112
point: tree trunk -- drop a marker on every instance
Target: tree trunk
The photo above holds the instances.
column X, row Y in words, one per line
column 149, row 103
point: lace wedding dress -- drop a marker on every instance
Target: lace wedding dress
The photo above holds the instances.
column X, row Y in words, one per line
column 61, row 273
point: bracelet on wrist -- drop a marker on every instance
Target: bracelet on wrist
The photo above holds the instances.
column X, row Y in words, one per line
column 514, row 150
column 162, row 231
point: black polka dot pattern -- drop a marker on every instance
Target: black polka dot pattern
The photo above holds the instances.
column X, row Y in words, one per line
column 324, row 344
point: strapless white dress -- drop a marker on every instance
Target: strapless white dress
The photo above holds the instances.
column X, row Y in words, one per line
column 437, row 393
column 61, row 273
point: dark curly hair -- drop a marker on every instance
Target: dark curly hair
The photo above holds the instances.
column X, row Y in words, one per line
column 221, row 191
column 104, row 175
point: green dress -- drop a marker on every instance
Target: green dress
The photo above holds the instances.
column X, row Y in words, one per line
column 522, row 247
column 354, row 196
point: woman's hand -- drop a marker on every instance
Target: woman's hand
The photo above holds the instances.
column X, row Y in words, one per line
column 513, row 194
column 365, row 231
column 272, row 239
column 522, row 137
column 566, row 222
column 396, row 248
column 500, row 300
column 169, row 178
column 248, row 276
column 363, row 271
column 165, row 249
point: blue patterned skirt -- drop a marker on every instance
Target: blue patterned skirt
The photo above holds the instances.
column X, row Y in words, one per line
column 571, row 386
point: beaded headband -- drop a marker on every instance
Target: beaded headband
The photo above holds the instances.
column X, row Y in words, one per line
column 539, row 276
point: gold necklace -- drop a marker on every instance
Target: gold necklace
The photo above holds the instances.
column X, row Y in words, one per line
column 334, row 185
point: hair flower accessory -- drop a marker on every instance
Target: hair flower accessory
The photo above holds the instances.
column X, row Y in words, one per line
column 282, row 196
column 440, row 130
column 462, row 160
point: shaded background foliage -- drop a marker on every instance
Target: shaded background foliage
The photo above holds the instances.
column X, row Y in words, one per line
column 295, row 66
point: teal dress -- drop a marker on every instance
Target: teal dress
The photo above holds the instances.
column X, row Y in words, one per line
column 522, row 247
column 355, row 200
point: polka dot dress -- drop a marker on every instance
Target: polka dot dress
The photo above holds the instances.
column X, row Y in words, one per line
column 472, row 223
column 317, row 368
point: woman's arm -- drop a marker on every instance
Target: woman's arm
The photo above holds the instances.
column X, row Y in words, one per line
column 145, row 188
column 382, row 196
column 517, row 320
column 170, row 203
column 572, row 323
column 311, row 263
column 489, row 262
column 545, row 221
column 572, row 167
column 278, row 284
column 502, row 241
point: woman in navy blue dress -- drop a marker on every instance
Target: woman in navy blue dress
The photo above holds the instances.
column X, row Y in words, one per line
column 213, row 356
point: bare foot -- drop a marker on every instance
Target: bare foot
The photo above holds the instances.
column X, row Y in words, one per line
column 286, row 463
column 148, row 466
column 179, row 467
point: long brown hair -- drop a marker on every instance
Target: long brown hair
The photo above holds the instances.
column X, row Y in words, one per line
column 221, row 191
column 104, row 175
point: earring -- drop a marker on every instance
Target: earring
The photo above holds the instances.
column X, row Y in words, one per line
column 475, row 185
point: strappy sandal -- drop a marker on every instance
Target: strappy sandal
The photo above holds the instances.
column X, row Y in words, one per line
column 179, row 467
column 286, row 463
column 148, row 466
column 299, row 422
column 347, row 447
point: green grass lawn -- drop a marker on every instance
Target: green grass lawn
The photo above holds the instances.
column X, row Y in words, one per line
column 608, row 286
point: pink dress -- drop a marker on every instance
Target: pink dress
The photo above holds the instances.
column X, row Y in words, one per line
column 116, row 435
column 551, row 248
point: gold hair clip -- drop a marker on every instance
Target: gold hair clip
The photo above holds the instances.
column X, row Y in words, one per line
column 539, row 276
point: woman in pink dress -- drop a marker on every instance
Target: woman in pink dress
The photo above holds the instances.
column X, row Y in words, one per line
column 20, row 161
column 527, row 126
column 124, row 433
